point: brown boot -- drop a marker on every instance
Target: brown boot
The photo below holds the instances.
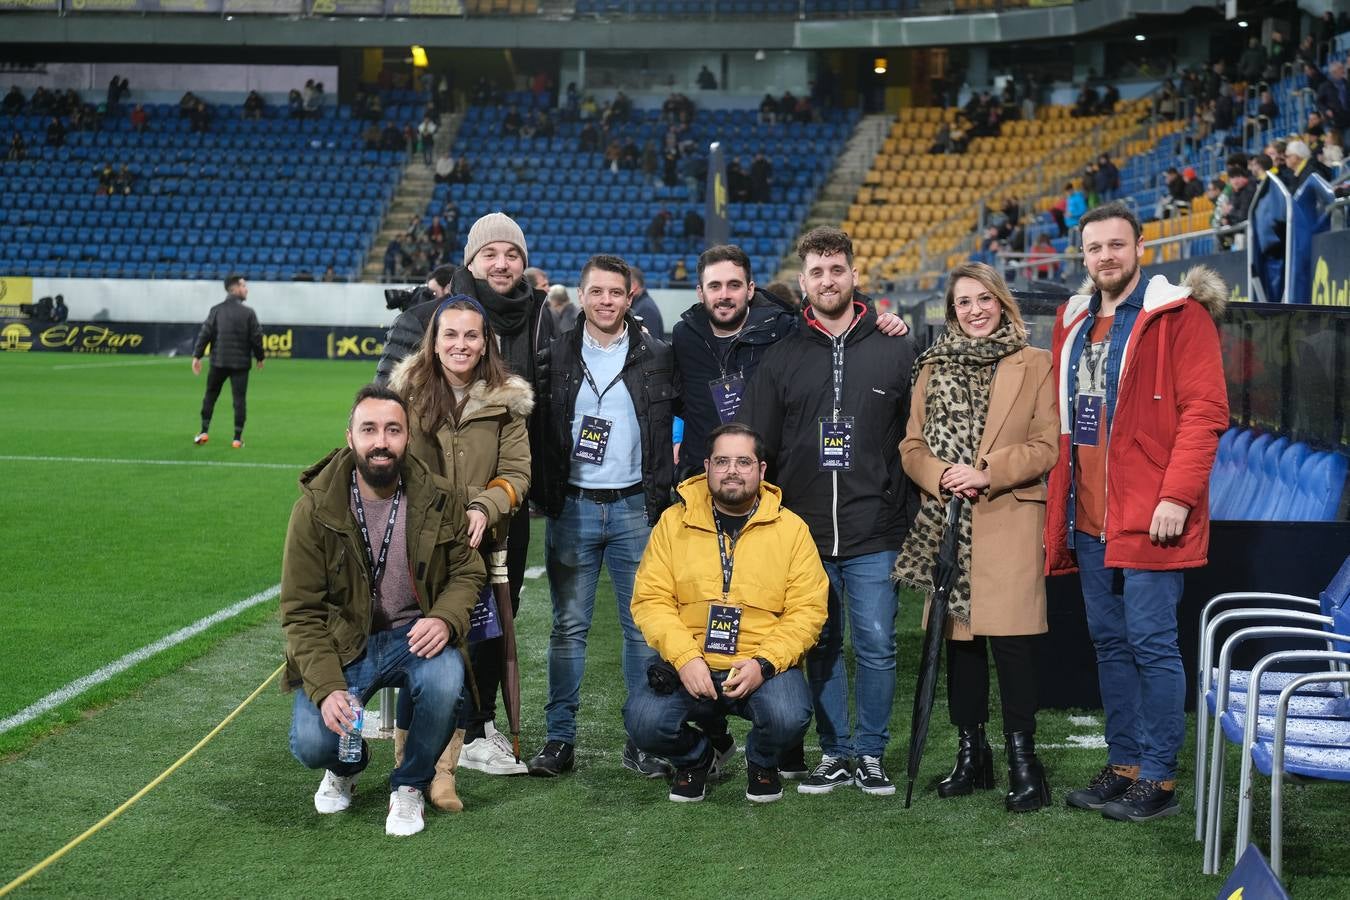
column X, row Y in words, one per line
column 400, row 739
column 442, row 792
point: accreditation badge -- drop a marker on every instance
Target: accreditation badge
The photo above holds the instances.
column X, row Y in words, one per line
column 1088, row 412
column 724, row 629
column 836, row 443
column 592, row 440
column 726, row 395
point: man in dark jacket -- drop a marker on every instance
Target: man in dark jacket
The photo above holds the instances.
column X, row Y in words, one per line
column 645, row 309
column 377, row 582
column 1107, row 178
column 1333, row 98
column 831, row 402
column 495, row 257
column 718, row 344
column 231, row 331
column 607, row 467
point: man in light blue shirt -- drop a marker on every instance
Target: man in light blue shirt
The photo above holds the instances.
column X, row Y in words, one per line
column 608, row 466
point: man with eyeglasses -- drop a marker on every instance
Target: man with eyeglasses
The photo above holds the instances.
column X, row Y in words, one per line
column 731, row 594
column 831, row 401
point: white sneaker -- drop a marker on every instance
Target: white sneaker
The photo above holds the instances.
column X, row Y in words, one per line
column 491, row 754
column 405, row 812
column 335, row 792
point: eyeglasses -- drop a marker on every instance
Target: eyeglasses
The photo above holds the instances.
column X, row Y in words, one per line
column 984, row 301
column 724, row 463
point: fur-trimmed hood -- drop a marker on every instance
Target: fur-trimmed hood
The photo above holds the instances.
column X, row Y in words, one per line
column 515, row 395
column 1200, row 283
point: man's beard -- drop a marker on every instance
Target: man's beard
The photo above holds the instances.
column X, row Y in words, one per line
column 843, row 302
column 734, row 322
column 379, row 477
column 1116, row 283
column 733, row 495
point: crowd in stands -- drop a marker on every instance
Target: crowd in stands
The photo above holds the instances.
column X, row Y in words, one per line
column 422, row 247
column 1279, row 109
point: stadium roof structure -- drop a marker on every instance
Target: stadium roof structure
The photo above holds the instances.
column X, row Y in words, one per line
column 263, row 30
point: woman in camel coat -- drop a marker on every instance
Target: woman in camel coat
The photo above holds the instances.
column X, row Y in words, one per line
column 982, row 425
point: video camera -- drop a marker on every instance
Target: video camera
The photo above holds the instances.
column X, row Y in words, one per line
column 400, row 298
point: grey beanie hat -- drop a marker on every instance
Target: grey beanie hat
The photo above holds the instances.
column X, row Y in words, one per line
column 495, row 226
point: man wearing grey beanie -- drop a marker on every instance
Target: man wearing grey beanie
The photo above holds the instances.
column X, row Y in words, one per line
column 495, row 257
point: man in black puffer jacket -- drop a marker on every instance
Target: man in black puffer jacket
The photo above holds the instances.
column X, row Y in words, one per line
column 232, row 332
column 495, row 257
column 831, row 401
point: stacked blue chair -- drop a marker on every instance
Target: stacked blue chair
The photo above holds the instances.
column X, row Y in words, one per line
column 1244, row 705
column 1264, row 477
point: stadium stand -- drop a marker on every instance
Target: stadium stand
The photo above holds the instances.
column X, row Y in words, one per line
column 278, row 196
column 571, row 204
column 916, row 209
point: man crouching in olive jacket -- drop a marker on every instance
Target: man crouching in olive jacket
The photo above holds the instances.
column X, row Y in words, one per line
column 377, row 584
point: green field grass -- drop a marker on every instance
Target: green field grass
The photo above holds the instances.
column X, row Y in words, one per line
column 103, row 558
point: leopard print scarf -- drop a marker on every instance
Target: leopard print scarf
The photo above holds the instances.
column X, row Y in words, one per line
column 956, row 403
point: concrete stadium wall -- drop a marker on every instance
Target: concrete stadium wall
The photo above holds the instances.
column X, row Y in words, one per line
column 285, row 302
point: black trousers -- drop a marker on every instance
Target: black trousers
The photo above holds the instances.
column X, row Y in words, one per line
column 968, row 681
column 215, row 379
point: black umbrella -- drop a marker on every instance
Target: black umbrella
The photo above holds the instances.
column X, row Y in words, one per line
column 945, row 569
column 501, row 591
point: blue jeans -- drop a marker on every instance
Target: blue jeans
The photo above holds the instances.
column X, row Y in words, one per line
column 863, row 583
column 1132, row 618
column 779, row 711
column 584, row 536
column 434, row 685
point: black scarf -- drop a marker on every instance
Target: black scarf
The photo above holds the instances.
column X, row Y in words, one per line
column 509, row 315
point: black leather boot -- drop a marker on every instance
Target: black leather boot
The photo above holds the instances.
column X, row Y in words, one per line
column 974, row 764
column 1027, row 788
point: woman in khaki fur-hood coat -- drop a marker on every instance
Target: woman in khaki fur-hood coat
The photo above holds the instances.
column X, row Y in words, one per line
column 488, row 442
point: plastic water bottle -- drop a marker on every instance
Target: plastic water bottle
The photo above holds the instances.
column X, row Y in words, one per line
column 349, row 745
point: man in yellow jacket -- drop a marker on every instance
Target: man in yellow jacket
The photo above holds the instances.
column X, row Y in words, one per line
column 733, row 625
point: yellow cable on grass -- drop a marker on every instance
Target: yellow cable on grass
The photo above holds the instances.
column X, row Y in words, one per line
column 98, row 826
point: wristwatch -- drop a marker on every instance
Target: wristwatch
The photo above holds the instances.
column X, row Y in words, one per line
column 766, row 668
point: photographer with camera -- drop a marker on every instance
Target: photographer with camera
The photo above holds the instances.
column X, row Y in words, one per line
column 495, row 256
column 732, row 627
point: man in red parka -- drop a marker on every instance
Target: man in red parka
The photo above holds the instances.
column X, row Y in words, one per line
column 1142, row 403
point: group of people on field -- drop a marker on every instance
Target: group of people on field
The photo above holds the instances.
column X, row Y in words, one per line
column 818, row 459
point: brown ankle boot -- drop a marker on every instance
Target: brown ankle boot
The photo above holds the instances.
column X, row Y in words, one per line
column 442, row 793
column 400, row 739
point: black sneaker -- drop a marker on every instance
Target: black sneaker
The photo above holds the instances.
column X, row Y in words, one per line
column 690, row 785
column 1105, row 786
column 1145, row 801
column 763, row 785
column 644, row 763
column 871, row 777
column 833, row 772
column 792, row 763
column 724, row 748
column 556, row 758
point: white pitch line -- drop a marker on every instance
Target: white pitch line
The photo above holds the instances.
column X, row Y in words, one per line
column 151, row 462
column 119, row 364
column 80, row 685
column 1079, row 742
column 534, row 572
